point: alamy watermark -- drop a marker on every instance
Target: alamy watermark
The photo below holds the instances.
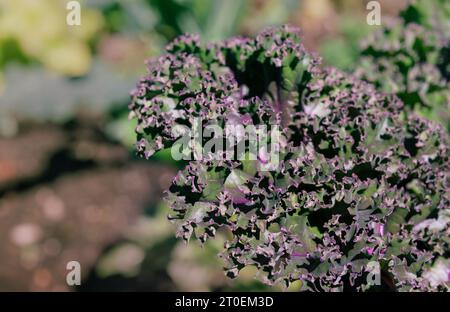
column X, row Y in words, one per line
column 73, row 277
column 374, row 273
column 73, row 17
column 374, row 16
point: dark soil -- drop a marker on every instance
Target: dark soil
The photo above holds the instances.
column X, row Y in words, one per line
column 66, row 193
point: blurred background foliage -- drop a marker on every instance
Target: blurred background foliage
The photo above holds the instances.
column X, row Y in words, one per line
column 70, row 185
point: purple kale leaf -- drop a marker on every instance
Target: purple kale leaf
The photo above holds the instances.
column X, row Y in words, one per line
column 357, row 184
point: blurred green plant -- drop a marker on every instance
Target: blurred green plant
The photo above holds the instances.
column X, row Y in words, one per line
column 42, row 35
column 342, row 51
column 410, row 57
column 213, row 19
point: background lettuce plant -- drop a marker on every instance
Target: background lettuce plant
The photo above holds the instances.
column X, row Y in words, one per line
column 410, row 56
column 358, row 183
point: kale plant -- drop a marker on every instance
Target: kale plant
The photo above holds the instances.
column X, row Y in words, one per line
column 357, row 185
column 410, row 56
